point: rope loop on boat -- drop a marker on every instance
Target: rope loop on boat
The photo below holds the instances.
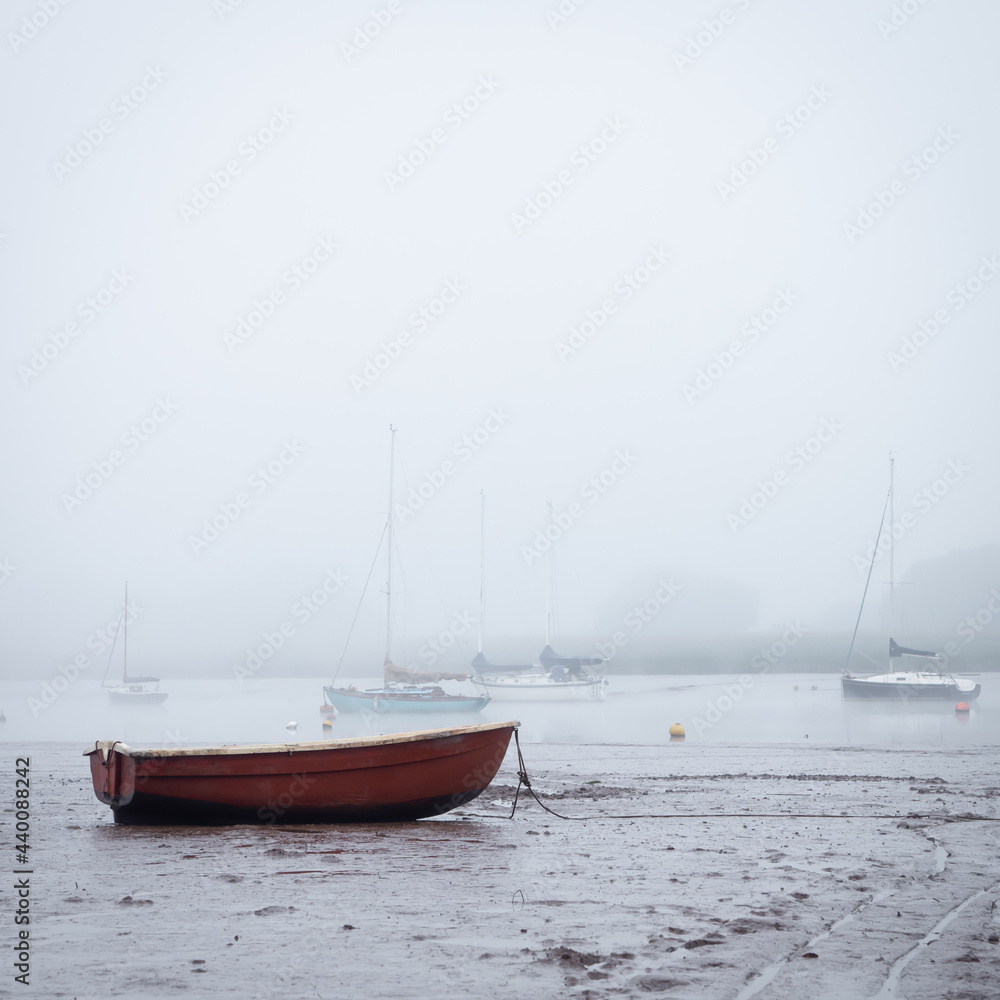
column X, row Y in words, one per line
column 111, row 750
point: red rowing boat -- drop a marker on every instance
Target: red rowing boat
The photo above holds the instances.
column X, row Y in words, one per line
column 401, row 777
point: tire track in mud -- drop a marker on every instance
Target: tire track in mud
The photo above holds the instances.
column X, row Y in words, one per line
column 888, row 991
column 768, row 974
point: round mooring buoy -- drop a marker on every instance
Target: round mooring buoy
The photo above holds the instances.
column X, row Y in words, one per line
column 328, row 723
column 676, row 731
column 292, row 725
column 962, row 707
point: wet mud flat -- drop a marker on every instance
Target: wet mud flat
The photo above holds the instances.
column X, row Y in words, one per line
column 893, row 891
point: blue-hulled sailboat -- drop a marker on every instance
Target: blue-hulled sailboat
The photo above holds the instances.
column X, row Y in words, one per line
column 402, row 690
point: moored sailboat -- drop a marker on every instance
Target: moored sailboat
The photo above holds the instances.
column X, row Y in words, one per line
column 405, row 691
column 134, row 690
column 924, row 683
column 402, row 690
column 554, row 678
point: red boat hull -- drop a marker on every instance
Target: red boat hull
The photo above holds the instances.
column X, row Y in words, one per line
column 391, row 778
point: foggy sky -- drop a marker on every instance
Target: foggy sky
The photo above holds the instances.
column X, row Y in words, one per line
column 301, row 137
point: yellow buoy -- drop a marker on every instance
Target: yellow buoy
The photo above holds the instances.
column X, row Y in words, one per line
column 676, row 729
column 328, row 723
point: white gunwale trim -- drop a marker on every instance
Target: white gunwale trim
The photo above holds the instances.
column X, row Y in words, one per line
column 282, row 748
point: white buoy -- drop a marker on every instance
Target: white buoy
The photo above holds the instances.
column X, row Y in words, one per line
column 292, row 725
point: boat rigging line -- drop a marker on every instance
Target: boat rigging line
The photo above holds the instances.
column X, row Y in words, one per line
column 115, row 639
column 350, row 631
column 423, row 545
column 871, row 566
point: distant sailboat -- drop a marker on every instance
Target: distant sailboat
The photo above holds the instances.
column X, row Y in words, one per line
column 132, row 690
column 555, row 678
column 402, row 690
column 900, row 683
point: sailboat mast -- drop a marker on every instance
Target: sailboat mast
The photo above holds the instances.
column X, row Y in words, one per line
column 549, row 600
column 388, row 560
column 892, row 568
column 482, row 569
column 125, row 639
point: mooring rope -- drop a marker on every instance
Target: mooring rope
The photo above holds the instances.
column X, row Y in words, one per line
column 525, row 781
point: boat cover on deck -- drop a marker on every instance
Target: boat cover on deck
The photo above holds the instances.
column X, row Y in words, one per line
column 394, row 674
column 896, row 650
column 549, row 658
column 483, row 665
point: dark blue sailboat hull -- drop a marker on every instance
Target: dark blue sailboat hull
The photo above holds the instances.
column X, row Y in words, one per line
column 856, row 687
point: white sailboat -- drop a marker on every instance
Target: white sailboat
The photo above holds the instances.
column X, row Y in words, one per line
column 929, row 681
column 132, row 690
column 555, row 678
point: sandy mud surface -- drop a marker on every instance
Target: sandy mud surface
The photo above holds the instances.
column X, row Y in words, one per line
column 895, row 892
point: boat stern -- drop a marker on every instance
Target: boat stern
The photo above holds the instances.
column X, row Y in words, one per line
column 112, row 773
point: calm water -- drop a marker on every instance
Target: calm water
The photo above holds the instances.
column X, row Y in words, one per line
column 714, row 709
